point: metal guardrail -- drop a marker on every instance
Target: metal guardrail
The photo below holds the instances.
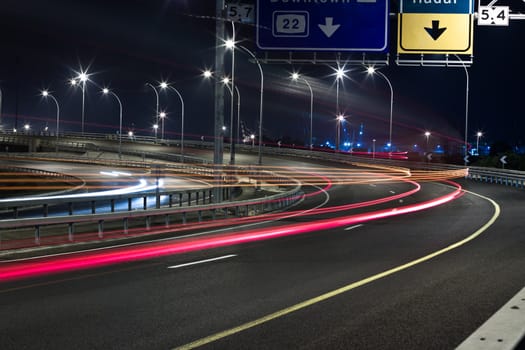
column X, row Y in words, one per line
column 238, row 208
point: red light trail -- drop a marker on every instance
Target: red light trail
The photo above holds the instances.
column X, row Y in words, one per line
column 51, row 265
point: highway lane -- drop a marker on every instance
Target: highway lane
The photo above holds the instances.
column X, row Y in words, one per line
column 432, row 305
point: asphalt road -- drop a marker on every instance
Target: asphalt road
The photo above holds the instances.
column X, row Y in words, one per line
column 434, row 304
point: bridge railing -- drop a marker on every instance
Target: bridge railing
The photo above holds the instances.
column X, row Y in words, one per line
column 177, row 206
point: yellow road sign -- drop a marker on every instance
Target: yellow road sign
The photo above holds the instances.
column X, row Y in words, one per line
column 427, row 33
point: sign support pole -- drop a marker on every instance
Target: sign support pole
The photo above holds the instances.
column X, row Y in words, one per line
column 219, row 101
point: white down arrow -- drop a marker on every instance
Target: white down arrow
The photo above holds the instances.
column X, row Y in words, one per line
column 329, row 28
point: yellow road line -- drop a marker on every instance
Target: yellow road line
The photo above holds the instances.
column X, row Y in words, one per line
column 336, row 292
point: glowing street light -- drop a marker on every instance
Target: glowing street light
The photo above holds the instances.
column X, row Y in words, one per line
column 162, row 116
column 46, row 94
column 296, row 77
column 155, row 128
column 106, row 91
column 252, row 137
column 164, row 86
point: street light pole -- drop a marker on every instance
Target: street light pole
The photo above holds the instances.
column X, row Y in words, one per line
column 230, row 44
column 238, row 112
column 83, row 78
column 296, row 76
column 372, row 70
column 478, row 135
column 107, row 91
column 340, row 119
column 466, row 106
column 260, row 102
column 427, row 135
column 46, row 93
column 162, row 116
column 157, row 107
column 225, row 81
column 165, row 85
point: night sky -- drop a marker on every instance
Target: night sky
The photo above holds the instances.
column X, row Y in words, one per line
column 125, row 44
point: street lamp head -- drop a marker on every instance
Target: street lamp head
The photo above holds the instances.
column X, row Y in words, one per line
column 479, row 134
column 230, row 44
column 371, row 70
column 45, row 93
column 130, row 133
column 105, row 91
column 83, row 77
column 73, row 82
column 26, row 126
column 252, row 136
column 164, row 85
column 155, row 126
column 340, row 73
column 207, row 73
column 226, row 80
column 340, row 117
column 162, row 115
column 427, row 133
column 295, row 76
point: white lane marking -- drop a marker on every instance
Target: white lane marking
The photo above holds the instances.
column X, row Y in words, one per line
column 352, row 227
column 392, row 192
column 372, row 185
column 202, row 261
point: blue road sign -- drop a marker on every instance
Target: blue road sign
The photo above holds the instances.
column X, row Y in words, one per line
column 323, row 25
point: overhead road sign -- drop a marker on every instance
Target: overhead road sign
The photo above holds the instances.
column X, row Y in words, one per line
column 436, row 27
column 323, row 25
